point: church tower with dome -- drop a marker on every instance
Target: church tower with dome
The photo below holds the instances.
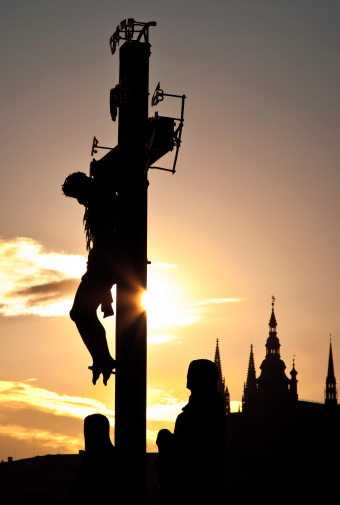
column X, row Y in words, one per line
column 272, row 389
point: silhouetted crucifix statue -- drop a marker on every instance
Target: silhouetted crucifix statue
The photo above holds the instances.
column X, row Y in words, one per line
column 115, row 199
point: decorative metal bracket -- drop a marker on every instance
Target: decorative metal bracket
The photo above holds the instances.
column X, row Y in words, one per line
column 157, row 97
column 95, row 146
column 126, row 30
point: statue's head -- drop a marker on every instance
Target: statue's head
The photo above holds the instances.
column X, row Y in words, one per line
column 78, row 185
column 96, row 432
column 202, row 374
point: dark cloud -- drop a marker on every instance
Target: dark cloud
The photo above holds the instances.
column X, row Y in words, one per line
column 46, row 291
column 45, row 273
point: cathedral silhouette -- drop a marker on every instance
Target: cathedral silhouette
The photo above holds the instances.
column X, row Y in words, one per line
column 279, row 445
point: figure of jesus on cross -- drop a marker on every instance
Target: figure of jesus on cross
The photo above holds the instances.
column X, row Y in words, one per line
column 100, row 199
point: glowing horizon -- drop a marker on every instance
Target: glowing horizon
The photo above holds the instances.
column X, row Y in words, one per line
column 162, row 410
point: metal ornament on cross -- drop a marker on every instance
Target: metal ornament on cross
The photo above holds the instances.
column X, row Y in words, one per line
column 95, row 146
column 158, row 97
column 126, row 30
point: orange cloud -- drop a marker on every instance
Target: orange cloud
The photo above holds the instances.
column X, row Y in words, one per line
column 33, row 281
column 217, row 301
column 160, row 339
column 28, row 415
column 23, row 394
column 42, row 438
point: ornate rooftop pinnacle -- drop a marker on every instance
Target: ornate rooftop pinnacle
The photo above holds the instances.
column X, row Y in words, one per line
column 272, row 321
column 293, row 372
column 251, row 375
column 217, row 360
column 221, row 385
column 330, row 374
column 331, row 393
column 273, row 343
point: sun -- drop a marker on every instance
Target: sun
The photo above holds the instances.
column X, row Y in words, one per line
column 160, row 300
column 159, row 296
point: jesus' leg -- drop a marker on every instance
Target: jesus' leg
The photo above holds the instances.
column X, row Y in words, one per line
column 84, row 314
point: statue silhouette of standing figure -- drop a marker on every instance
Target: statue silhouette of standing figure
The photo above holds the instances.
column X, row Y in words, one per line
column 98, row 469
column 191, row 463
column 100, row 198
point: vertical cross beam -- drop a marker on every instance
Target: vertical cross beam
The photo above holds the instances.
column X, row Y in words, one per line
column 131, row 330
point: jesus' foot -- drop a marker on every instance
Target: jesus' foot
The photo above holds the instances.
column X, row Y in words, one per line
column 104, row 367
column 95, row 374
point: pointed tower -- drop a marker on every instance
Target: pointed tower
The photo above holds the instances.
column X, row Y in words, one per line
column 250, row 387
column 331, row 394
column 274, row 387
column 221, row 386
column 273, row 344
column 217, row 361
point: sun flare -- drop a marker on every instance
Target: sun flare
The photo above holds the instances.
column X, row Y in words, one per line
column 159, row 297
column 161, row 300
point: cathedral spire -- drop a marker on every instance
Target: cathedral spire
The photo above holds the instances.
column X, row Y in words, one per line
column 217, row 361
column 249, row 391
column 251, row 375
column 331, row 394
column 221, row 386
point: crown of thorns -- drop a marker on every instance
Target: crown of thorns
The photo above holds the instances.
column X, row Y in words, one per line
column 73, row 182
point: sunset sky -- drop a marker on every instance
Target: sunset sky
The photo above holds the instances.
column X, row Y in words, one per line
column 252, row 211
